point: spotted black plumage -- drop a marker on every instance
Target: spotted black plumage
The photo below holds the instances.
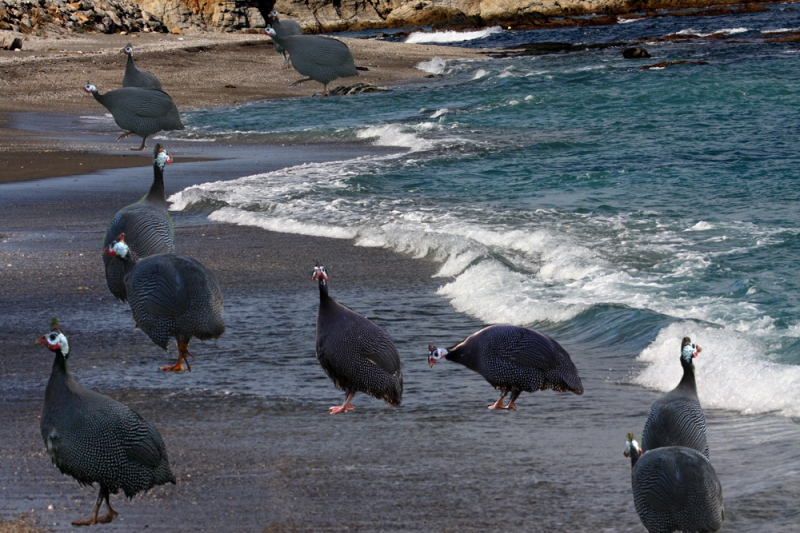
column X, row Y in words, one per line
column 514, row 359
column 139, row 111
column 322, row 59
column 283, row 28
column 136, row 77
column 146, row 224
column 96, row 439
column 171, row 295
column 677, row 418
column 675, row 489
column 355, row 353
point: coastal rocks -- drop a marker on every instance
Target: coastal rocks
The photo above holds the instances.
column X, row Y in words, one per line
column 102, row 16
column 635, row 53
column 10, row 40
column 358, row 88
column 214, row 15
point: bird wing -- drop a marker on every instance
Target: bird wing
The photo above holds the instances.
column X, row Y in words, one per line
column 383, row 353
column 666, row 481
column 529, row 348
column 328, row 52
column 143, row 447
column 160, row 287
column 152, row 103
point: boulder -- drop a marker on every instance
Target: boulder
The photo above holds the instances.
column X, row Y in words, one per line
column 10, row 40
column 635, row 53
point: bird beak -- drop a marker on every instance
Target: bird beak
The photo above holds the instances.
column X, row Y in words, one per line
column 431, row 362
column 108, row 251
column 40, row 340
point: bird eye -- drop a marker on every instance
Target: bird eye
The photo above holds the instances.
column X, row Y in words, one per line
column 53, row 337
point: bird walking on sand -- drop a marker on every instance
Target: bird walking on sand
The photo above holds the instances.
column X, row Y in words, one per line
column 136, row 77
column 355, row 353
column 677, row 418
column 675, row 489
column 139, row 111
column 283, row 28
column 146, row 224
column 321, row 59
column 171, row 295
column 513, row 359
column 96, row 439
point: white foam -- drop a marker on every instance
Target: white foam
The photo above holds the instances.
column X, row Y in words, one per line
column 732, row 371
column 394, row 135
column 451, row 36
column 436, row 66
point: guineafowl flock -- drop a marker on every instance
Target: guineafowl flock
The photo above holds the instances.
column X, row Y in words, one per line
column 95, row 439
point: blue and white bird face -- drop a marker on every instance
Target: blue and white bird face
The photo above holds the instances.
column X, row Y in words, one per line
column 269, row 31
column 319, row 273
column 162, row 157
column 631, row 447
column 55, row 340
column 89, row 88
column 117, row 247
column 435, row 354
column 273, row 14
column 128, row 50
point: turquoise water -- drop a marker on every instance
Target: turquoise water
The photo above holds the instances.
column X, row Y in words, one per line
column 621, row 208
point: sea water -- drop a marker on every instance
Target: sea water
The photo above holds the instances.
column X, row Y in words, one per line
column 567, row 189
column 615, row 207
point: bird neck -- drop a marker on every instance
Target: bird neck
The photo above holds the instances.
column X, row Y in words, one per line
column 634, row 458
column 129, row 65
column 59, row 377
column 324, row 299
column 462, row 356
column 157, row 193
column 687, row 381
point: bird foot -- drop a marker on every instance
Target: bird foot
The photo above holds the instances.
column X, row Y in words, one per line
column 125, row 135
column 336, row 409
column 499, row 405
column 178, row 367
column 142, row 147
column 108, row 517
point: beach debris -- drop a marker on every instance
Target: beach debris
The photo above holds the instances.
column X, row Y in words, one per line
column 358, row 88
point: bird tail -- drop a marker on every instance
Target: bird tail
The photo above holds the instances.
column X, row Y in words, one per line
column 362, row 69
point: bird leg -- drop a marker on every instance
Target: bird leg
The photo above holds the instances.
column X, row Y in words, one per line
column 514, row 395
column 142, row 147
column 285, row 62
column 125, row 135
column 183, row 351
column 499, row 403
column 336, row 409
column 108, row 517
column 298, row 82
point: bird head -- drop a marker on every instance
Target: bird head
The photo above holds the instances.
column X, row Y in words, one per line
column 128, row 50
column 631, row 446
column 434, row 354
column 89, row 88
column 319, row 273
column 55, row 340
column 161, row 157
column 117, row 247
column 269, row 31
column 274, row 14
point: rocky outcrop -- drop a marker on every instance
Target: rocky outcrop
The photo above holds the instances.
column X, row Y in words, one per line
column 215, row 15
column 102, row 16
column 110, row 16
